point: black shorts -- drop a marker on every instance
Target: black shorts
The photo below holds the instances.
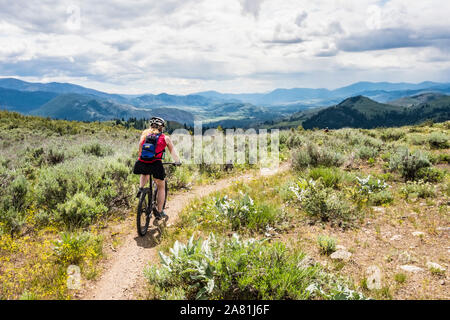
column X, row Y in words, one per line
column 156, row 169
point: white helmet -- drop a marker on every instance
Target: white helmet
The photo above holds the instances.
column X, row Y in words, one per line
column 158, row 121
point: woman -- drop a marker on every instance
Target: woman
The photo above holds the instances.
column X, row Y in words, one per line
column 146, row 167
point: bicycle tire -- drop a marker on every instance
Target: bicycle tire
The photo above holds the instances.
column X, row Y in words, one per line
column 144, row 207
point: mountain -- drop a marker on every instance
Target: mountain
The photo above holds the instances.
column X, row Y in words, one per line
column 231, row 97
column 294, row 120
column 362, row 112
column 379, row 91
column 357, row 111
column 20, row 101
column 237, row 115
column 85, row 104
column 437, row 110
column 364, row 86
column 172, row 114
column 275, row 97
column 165, row 99
column 359, row 104
column 417, row 99
column 296, row 95
column 56, row 87
column 90, row 108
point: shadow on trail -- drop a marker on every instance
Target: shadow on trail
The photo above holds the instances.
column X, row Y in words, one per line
column 154, row 234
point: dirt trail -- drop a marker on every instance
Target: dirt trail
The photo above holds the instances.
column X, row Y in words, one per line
column 123, row 277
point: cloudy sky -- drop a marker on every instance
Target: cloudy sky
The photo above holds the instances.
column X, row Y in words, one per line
column 184, row 46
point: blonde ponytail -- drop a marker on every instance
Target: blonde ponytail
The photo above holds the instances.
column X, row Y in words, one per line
column 148, row 131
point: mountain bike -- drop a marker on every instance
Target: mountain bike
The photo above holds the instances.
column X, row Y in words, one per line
column 148, row 204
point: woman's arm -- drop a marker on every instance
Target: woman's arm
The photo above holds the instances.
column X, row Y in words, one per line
column 172, row 150
column 141, row 142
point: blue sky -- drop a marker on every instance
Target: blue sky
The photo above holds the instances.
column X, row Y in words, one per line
column 184, row 46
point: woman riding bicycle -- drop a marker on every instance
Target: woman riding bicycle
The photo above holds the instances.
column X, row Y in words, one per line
column 153, row 166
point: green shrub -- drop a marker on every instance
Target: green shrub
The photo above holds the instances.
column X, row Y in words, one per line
column 430, row 175
column 300, row 159
column 313, row 155
column 108, row 180
column 34, row 156
column 444, row 158
column 370, row 185
column 438, row 140
column 436, row 158
column 28, row 296
column 417, row 139
column 44, row 218
column 180, row 178
column 80, row 211
column 18, row 192
column 244, row 212
column 12, row 220
column 325, row 204
column 4, row 163
column 243, row 270
column 418, row 189
column 380, row 198
column 55, row 156
column 75, row 248
column 400, row 277
column 366, row 153
column 327, row 245
column 97, row 149
column 359, row 138
column 331, row 177
column 13, row 201
column 294, row 141
column 392, row 134
column 52, row 187
column 285, row 192
column 407, row 163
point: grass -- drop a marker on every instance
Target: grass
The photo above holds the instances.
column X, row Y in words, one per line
column 331, row 177
column 327, row 245
column 241, row 269
column 61, row 182
column 400, row 278
column 251, row 208
column 418, row 189
column 324, row 204
column 67, row 177
column 321, row 192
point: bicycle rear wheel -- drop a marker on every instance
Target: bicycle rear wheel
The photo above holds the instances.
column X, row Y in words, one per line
column 143, row 213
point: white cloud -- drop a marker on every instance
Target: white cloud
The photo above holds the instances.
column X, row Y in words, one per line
column 301, row 17
column 251, row 6
column 230, row 45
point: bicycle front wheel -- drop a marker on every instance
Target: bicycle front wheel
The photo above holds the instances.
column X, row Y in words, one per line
column 143, row 213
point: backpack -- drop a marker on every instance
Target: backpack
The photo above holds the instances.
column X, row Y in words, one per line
column 149, row 148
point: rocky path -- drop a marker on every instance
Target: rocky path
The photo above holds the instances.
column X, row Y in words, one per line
column 123, row 277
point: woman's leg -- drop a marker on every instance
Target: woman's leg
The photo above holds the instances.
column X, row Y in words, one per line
column 161, row 193
column 143, row 180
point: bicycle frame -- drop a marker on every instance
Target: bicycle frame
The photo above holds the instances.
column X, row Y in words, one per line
column 152, row 205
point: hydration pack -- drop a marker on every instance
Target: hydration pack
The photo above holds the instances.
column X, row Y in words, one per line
column 149, row 148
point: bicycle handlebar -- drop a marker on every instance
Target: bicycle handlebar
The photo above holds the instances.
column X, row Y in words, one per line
column 172, row 163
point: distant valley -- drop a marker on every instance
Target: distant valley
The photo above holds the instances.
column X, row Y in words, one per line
column 363, row 104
